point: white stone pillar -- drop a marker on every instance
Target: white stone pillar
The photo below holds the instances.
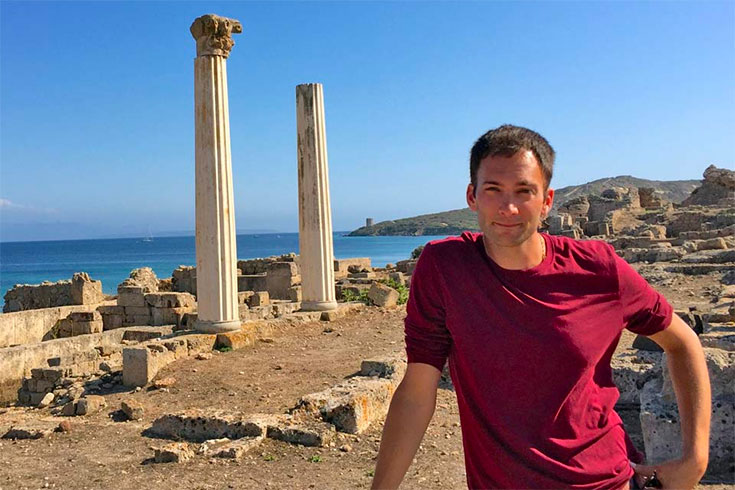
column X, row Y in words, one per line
column 215, row 211
column 315, row 213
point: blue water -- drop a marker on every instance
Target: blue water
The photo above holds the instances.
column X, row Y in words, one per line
column 112, row 260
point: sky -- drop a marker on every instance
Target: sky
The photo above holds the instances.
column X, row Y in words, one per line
column 97, row 103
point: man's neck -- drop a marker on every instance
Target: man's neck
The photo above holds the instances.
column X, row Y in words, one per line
column 527, row 255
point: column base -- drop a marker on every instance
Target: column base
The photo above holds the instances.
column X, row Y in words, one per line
column 318, row 305
column 217, row 326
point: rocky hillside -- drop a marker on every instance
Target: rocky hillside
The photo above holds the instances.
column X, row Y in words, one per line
column 456, row 221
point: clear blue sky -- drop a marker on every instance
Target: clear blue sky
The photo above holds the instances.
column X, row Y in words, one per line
column 97, row 103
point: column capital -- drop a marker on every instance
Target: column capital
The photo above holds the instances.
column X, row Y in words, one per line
column 213, row 34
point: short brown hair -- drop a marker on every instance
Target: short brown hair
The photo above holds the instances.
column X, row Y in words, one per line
column 507, row 140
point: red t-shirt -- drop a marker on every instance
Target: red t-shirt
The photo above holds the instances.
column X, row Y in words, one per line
column 529, row 354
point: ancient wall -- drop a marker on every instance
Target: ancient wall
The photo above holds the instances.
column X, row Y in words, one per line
column 611, row 200
column 16, row 362
column 80, row 290
column 27, row 327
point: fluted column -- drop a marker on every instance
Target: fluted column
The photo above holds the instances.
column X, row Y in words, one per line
column 215, row 211
column 315, row 213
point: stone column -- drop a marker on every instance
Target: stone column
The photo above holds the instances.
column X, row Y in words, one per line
column 215, row 211
column 315, row 214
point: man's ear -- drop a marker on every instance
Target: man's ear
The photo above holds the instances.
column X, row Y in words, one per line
column 471, row 201
column 548, row 202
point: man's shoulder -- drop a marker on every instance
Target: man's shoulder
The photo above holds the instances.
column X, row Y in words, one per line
column 584, row 252
column 453, row 246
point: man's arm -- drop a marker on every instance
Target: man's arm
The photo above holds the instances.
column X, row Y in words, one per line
column 688, row 370
column 409, row 414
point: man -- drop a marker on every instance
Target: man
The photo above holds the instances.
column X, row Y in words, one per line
column 529, row 323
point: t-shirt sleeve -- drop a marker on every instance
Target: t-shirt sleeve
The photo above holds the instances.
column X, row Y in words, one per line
column 645, row 310
column 427, row 339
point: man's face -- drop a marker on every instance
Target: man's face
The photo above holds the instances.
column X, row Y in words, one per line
column 510, row 200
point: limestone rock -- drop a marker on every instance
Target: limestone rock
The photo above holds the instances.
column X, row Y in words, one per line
column 630, row 374
column 46, row 400
column 383, row 295
column 132, row 409
column 203, row 425
column 351, row 406
column 144, row 278
column 85, row 291
column 90, row 404
column 237, row 339
column 304, row 432
column 177, row 452
column 717, row 188
column 237, row 449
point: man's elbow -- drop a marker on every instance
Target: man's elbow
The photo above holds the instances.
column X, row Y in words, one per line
column 678, row 338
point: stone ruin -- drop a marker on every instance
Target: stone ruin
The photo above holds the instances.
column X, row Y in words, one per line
column 80, row 290
column 645, row 214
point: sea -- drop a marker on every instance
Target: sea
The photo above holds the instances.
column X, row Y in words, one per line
column 111, row 260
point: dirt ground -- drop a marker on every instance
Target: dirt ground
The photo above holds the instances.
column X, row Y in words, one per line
column 102, row 452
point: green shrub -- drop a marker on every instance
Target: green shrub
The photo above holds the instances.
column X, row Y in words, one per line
column 349, row 296
column 416, row 252
column 401, row 288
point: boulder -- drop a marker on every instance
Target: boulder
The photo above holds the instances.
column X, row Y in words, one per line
column 382, row 295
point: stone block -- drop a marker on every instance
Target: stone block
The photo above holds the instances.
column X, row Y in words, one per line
column 199, row 343
column 718, row 243
column 281, row 276
column 85, row 316
column 85, row 291
column 176, row 452
column 237, row 449
column 243, row 297
column 83, row 328
column 90, row 404
column 382, row 295
column 362, row 275
column 70, row 409
column 47, row 400
column 398, row 277
column 49, row 374
column 252, row 282
column 259, row 298
column 406, row 266
column 146, row 333
column 353, row 405
column 281, row 308
column 170, row 300
column 168, row 316
column 131, row 296
column 137, row 311
column 111, row 321
column 304, row 433
column 630, row 374
column 132, row 409
column 294, row 294
column 236, row 340
column 139, row 366
column 203, row 425
column 341, row 266
column 384, row 368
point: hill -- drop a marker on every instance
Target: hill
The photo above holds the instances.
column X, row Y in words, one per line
column 458, row 220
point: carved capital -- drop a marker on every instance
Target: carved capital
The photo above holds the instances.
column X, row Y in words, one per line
column 213, row 34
